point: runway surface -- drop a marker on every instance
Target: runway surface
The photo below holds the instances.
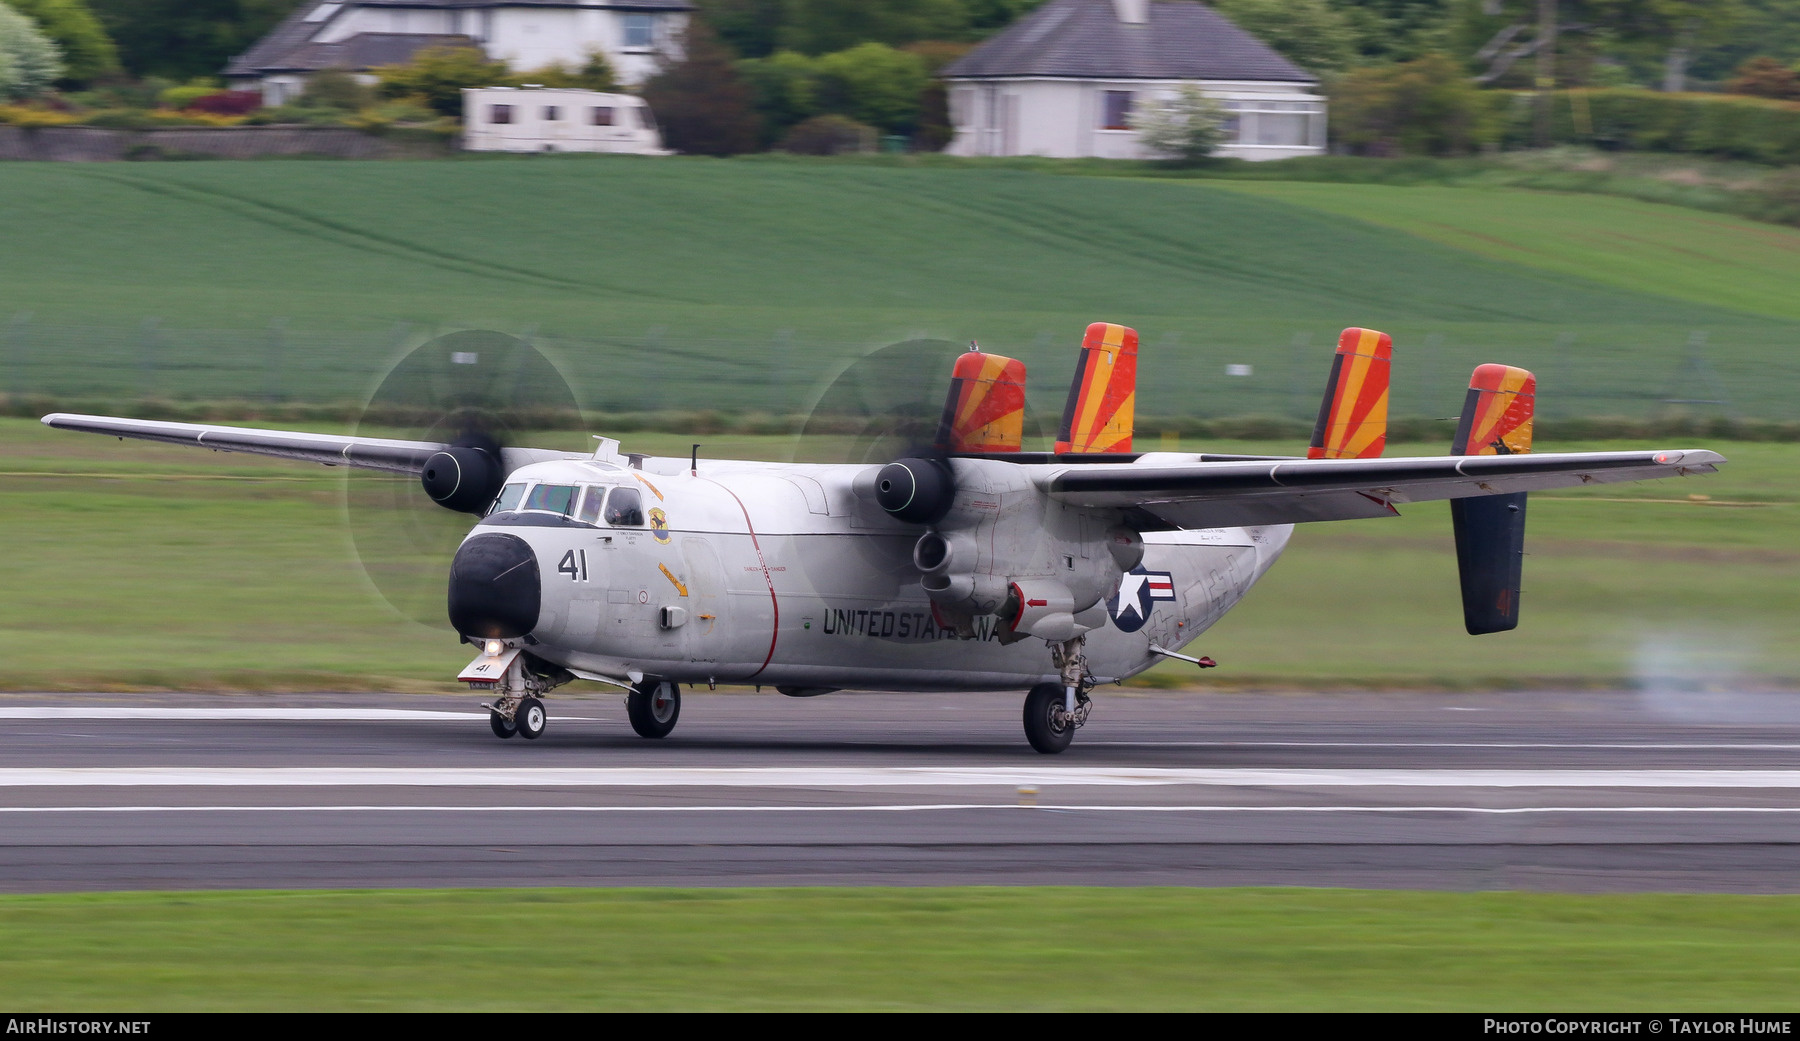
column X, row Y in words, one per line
column 1575, row 792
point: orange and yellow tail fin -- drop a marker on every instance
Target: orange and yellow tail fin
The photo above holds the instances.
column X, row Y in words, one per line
column 1353, row 418
column 985, row 410
column 1103, row 395
column 1496, row 416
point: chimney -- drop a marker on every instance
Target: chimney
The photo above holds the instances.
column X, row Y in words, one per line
column 1133, row 12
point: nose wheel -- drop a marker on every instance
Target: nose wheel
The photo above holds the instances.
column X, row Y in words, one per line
column 653, row 707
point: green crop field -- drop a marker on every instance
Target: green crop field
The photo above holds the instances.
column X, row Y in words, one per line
column 1031, row 949
column 656, row 282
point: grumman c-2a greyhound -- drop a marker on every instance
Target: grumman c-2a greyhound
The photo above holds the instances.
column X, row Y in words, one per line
column 968, row 564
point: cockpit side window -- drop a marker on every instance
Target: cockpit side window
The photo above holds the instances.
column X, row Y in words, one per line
column 552, row 498
column 509, row 498
column 625, row 508
column 590, row 505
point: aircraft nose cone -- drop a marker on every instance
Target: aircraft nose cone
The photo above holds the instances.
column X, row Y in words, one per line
column 494, row 588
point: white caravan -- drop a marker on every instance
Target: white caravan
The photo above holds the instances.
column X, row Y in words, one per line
column 542, row 119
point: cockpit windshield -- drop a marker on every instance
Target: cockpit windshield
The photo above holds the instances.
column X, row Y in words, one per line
column 552, row 498
column 509, row 498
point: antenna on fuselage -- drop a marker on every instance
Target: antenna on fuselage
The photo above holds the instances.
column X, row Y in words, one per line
column 694, row 462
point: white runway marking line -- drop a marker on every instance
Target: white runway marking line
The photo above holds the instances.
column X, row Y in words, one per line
column 359, row 715
column 898, row 808
column 1684, row 747
column 863, row 777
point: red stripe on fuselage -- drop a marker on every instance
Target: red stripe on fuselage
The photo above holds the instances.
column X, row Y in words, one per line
column 768, row 577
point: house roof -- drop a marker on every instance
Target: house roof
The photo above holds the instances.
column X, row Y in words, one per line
column 287, row 47
column 1085, row 39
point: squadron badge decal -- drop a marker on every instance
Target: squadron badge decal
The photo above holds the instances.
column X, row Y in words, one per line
column 659, row 525
column 1138, row 592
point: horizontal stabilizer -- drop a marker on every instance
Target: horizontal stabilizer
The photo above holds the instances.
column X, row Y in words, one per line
column 984, row 412
column 1103, row 396
column 1353, row 418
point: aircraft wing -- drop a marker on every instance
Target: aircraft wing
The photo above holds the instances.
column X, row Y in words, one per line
column 367, row 453
column 1230, row 494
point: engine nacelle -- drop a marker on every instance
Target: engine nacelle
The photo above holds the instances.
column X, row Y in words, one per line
column 920, row 491
column 1044, row 609
column 462, row 478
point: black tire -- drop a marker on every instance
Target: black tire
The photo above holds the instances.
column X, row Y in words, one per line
column 529, row 719
column 650, row 715
column 1043, row 710
column 503, row 727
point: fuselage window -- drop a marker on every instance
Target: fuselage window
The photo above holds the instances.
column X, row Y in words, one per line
column 553, row 498
column 590, row 506
column 509, row 498
column 625, row 509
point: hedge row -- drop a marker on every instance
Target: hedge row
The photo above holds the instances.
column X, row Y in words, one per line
column 1723, row 125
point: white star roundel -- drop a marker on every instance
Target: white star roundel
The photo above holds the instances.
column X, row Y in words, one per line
column 1138, row 591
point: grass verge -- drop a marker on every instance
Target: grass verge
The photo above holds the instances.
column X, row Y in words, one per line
column 1035, row 949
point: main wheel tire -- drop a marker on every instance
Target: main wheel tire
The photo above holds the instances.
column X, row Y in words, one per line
column 529, row 719
column 1048, row 730
column 653, row 707
column 503, row 727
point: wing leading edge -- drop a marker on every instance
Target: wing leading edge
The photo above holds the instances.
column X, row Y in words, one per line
column 1190, row 494
column 365, row 453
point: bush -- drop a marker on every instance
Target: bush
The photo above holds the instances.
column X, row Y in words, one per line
column 87, row 52
column 596, row 73
column 829, row 135
column 437, row 76
column 1187, row 128
column 182, row 97
column 1764, row 77
column 227, row 103
column 335, row 88
column 1423, row 107
column 29, row 62
column 1723, row 125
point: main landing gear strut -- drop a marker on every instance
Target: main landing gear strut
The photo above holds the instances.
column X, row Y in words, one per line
column 1054, row 711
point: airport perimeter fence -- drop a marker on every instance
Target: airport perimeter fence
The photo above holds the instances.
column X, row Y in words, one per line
column 1697, row 379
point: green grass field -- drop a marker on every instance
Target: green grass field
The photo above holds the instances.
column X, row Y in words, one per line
column 132, row 565
column 1030, row 949
column 655, row 282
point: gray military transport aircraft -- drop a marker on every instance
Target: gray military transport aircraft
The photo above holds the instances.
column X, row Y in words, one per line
column 968, row 563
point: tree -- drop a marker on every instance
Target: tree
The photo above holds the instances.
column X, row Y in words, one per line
column 437, row 76
column 875, row 84
column 700, row 101
column 1397, row 30
column 87, row 52
column 750, row 27
column 784, row 88
column 29, row 62
column 181, row 39
column 1309, row 33
column 1424, row 107
column 827, row 26
column 1187, row 128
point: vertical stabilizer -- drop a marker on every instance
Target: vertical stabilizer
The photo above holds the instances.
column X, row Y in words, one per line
column 1353, row 418
column 985, row 409
column 1490, row 529
column 1103, row 396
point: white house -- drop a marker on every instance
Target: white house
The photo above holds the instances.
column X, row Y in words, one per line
column 1064, row 80
column 359, row 35
column 541, row 119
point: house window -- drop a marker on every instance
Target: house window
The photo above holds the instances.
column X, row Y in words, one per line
column 499, row 114
column 1115, row 110
column 639, row 29
column 551, row 112
column 601, row 115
